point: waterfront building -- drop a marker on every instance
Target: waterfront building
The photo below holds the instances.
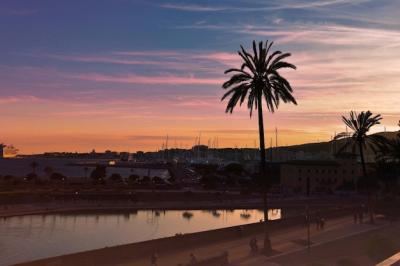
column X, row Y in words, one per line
column 2, row 146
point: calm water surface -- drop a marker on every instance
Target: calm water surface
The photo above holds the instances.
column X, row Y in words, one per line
column 32, row 237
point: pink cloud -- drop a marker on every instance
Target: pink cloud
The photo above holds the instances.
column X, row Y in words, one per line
column 151, row 80
column 18, row 99
column 169, row 60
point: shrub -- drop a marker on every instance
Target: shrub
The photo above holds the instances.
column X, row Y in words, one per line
column 134, row 178
column 31, row 176
column 99, row 173
column 116, row 177
column 57, row 176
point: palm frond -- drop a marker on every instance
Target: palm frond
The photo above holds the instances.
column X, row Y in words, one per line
column 258, row 78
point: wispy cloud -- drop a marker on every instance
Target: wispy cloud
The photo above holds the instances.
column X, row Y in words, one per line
column 159, row 138
column 162, row 59
column 19, row 99
column 328, row 34
column 260, row 7
column 191, row 7
column 154, row 80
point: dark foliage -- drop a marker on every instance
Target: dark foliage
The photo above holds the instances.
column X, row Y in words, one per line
column 31, row 177
column 57, row 176
column 115, row 177
column 99, row 173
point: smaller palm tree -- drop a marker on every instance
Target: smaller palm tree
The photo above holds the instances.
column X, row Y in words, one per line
column 360, row 124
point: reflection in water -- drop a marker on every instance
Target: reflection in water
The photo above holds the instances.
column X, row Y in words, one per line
column 245, row 215
column 215, row 213
column 31, row 237
column 187, row 215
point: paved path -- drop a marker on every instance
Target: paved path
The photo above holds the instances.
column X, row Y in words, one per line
column 284, row 241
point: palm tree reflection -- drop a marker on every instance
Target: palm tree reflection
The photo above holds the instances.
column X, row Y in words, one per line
column 187, row 215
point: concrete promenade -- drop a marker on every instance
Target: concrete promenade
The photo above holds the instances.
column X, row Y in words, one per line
column 340, row 239
column 284, row 241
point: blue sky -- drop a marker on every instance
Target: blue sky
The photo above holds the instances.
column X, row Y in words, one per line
column 122, row 74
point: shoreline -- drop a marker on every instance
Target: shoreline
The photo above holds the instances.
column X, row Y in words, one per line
column 14, row 210
column 135, row 252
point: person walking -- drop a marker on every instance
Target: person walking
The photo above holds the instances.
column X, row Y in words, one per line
column 361, row 214
column 193, row 259
column 355, row 215
column 322, row 223
column 253, row 245
column 153, row 259
column 318, row 219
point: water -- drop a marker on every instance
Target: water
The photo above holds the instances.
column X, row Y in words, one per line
column 31, row 237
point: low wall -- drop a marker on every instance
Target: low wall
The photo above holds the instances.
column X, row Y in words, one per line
column 130, row 252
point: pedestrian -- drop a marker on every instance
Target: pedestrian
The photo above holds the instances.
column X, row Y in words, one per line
column 153, row 259
column 355, row 215
column 322, row 221
column 318, row 222
column 253, row 245
column 193, row 259
column 240, row 231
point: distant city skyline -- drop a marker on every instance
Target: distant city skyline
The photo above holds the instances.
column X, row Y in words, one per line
column 121, row 75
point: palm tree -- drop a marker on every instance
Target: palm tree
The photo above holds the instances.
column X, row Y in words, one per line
column 360, row 124
column 257, row 79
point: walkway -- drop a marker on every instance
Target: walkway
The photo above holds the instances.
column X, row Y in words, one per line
column 284, row 241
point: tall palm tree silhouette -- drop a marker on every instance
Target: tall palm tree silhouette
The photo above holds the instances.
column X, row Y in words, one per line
column 258, row 78
column 360, row 124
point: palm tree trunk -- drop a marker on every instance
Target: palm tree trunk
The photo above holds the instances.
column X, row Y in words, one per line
column 362, row 160
column 267, row 241
column 367, row 182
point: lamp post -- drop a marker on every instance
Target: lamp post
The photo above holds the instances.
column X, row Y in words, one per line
column 308, row 215
column 308, row 228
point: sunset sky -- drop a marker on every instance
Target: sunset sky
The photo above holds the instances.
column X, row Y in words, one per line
column 122, row 74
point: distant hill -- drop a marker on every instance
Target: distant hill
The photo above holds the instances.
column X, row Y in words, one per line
column 328, row 147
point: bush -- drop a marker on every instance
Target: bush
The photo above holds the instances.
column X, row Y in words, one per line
column 234, row 168
column 145, row 180
column 31, row 176
column 134, row 178
column 158, row 180
column 99, row 173
column 116, row 177
column 209, row 181
column 57, row 176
